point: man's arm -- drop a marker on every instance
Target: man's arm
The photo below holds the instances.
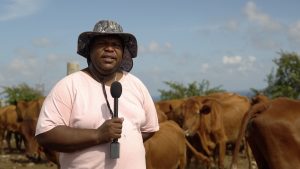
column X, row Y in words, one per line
column 67, row 139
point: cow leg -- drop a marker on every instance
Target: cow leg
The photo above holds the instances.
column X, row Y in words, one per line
column 189, row 156
column 18, row 140
column 249, row 155
column 2, row 131
column 1, row 141
column 204, row 141
column 182, row 162
column 221, row 147
column 254, row 139
column 198, row 155
column 221, row 150
column 182, row 159
column 8, row 138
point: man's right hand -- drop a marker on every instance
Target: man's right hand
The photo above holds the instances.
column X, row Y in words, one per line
column 110, row 129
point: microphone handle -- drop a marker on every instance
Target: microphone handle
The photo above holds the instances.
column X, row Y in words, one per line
column 115, row 115
column 115, row 107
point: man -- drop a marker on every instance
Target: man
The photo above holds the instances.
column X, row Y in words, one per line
column 76, row 117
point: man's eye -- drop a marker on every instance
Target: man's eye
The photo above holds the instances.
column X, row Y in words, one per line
column 101, row 44
column 118, row 45
column 105, row 44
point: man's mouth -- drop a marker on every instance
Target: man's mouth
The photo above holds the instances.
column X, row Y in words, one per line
column 109, row 58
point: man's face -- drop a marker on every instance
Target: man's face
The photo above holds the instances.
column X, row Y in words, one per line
column 106, row 53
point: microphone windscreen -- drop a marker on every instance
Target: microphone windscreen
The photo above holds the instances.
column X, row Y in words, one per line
column 116, row 89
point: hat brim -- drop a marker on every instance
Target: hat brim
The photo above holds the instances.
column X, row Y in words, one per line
column 130, row 46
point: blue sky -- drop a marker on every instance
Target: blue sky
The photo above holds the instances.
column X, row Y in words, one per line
column 231, row 44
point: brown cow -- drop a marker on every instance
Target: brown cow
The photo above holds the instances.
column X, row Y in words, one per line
column 272, row 130
column 259, row 98
column 215, row 130
column 273, row 134
column 9, row 126
column 219, row 127
column 27, row 130
column 168, row 105
column 33, row 150
column 162, row 118
column 232, row 107
column 29, row 109
column 160, row 114
column 187, row 116
column 211, row 129
column 167, row 148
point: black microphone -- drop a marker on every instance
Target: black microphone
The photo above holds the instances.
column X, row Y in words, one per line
column 115, row 91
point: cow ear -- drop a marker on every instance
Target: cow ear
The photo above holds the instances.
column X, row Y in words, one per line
column 205, row 109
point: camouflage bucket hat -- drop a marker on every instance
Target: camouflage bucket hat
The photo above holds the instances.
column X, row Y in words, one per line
column 107, row 27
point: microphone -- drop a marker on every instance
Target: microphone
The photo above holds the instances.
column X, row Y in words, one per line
column 115, row 91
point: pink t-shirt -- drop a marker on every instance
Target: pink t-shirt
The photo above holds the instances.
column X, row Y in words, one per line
column 78, row 101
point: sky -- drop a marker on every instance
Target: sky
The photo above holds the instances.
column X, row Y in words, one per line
column 231, row 44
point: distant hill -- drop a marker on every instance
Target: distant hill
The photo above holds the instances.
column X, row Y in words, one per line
column 246, row 93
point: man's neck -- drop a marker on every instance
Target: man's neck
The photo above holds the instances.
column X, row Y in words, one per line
column 107, row 79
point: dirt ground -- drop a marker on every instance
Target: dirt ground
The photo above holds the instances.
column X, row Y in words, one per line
column 242, row 163
column 14, row 159
column 17, row 160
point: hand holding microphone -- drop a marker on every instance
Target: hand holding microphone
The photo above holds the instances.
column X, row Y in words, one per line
column 110, row 130
column 116, row 91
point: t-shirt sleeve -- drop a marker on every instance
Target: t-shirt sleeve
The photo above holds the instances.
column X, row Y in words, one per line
column 56, row 108
column 151, row 122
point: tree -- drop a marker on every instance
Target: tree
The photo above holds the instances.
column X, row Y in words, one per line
column 21, row 92
column 178, row 90
column 286, row 80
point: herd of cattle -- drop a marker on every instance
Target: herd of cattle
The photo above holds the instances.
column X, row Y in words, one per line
column 199, row 129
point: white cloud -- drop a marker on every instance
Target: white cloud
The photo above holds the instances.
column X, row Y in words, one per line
column 247, row 64
column 154, row 47
column 252, row 59
column 232, row 25
column 24, row 63
column 60, row 58
column 259, row 17
column 204, row 67
column 265, row 42
column 238, row 63
column 294, row 32
column 41, row 42
column 232, row 59
column 19, row 8
column 53, row 57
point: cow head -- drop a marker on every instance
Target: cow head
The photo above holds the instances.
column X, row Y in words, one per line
column 160, row 114
column 191, row 110
column 32, row 148
column 259, row 98
column 29, row 109
column 20, row 107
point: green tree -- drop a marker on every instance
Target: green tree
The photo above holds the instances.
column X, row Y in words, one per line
column 179, row 90
column 20, row 92
column 285, row 81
